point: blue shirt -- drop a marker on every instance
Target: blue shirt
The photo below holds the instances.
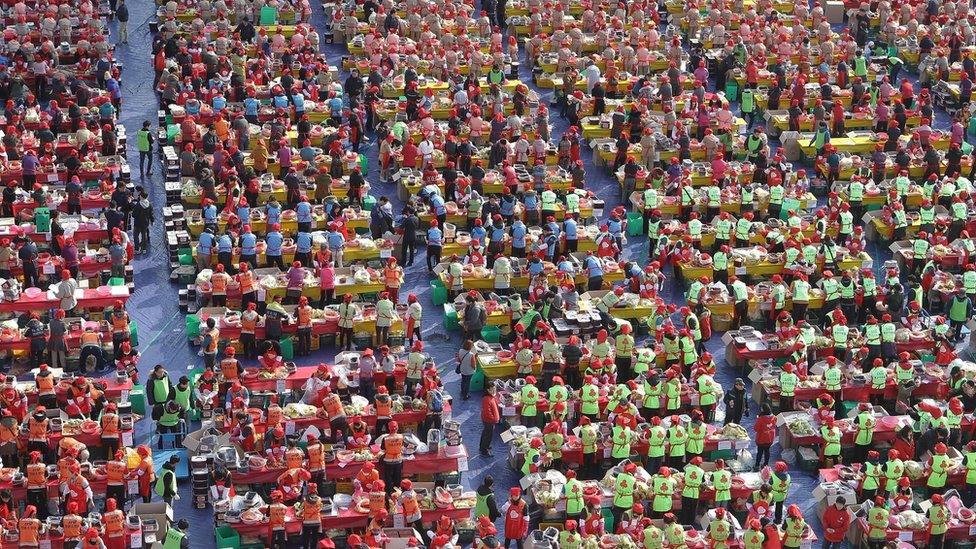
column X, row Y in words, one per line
column 251, row 106
column 554, row 227
column 244, row 212
column 225, row 244
column 569, row 226
column 551, row 244
column 274, row 241
column 219, row 102
column 594, row 265
column 280, row 102
column 566, row 266
column 210, row 213
column 335, row 106
column 535, row 268
column 531, row 202
column 497, row 234
column 303, row 242
column 518, row 235
column 303, row 212
column 479, row 234
column 299, row 101
column 336, row 240
column 438, row 203
column 507, row 206
column 434, row 237
column 206, row 243
column 615, row 226
column 273, row 213
column 248, row 244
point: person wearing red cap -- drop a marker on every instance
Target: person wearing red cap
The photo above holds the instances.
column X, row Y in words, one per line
column 391, row 456
column 516, row 518
column 836, row 522
column 694, row 477
column 877, row 524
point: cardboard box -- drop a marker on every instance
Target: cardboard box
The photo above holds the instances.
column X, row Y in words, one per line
column 399, row 538
column 835, row 12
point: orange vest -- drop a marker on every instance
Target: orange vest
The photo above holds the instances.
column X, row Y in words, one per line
column 219, row 282
column 37, row 429
column 392, row 276
column 114, row 523
column 229, row 368
column 72, row 527
column 248, row 324
column 409, row 503
column 116, row 472
column 333, row 407
column 276, row 516
column 316, row 457
column 214, row 338
column 110, row 425
column 384, row 407
column 29, row 529
column 304, row 317
column 8, row 433
column 294, row 458
column 89, row 338
column 246, row 281
column 275, row 416
column 120, row 323
column 64, row 468
column 393, row 447
column 312, row 510
column 366, row 478
column 45, row 384
column 36, row 475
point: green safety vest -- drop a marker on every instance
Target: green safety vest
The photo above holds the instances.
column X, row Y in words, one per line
column 865, row 432
column 830, row 289
column 695, row 229
column 877, row 523
column 481, row 505
column 969, row 281
column 927, row 215
column 920, row 248
column 780, row 485
column 655, row 442
column 569, row 540
column 572, row 203
column 174, row 539
column 745, row 196
column 846, row 222
column 182, row 397
column 833, row 378
column 753, row 539
column 869, row 286
column 590, row 397
column 792, row 255
column 677, row 437
column 959, row 212
column 574, row 496
column 714, row 196
column 720, row 261
column 776, row 194
column 161, row 389
column 693, row 481
column 840, row 333
column 623, row 495
column 142, row 141
column 958, row 309
column 696, row 438
column 652, row 395
column 787, row 384
column 687, row 195
column 831, row 438
column 742, row 228
column 856, row 191
column 653, row 537
column 810, row 254
column 741, row 290
column 530, row 456
column 894, row 469
column 722, row 481
column 938, row 519
column 939, row 474
column 748, row 101
column 548, row 200
column 530, row 400
column 620, row 447
column 650, row 199
column 169, row 420
column 888, row 332
column 872, row 334
column 872, row 476
column 970, row 467
column 167, row 480
column 847, row 290
column 663, row 490
column 879, row 377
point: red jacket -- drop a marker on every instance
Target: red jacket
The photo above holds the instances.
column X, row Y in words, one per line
column 489, row 410
column 773, row 539
column 765, row 429
column 838, row 520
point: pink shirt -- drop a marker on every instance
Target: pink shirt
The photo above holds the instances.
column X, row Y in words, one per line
column 327, row 278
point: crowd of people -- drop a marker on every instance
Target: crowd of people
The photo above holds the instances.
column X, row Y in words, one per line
column 763, row 158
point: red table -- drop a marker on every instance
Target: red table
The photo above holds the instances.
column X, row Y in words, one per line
column 420, row 464
column 87, row 299
column 86, row 204
column 346, row 519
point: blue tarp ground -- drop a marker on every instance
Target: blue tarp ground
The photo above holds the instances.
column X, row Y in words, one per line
column 154, row 305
